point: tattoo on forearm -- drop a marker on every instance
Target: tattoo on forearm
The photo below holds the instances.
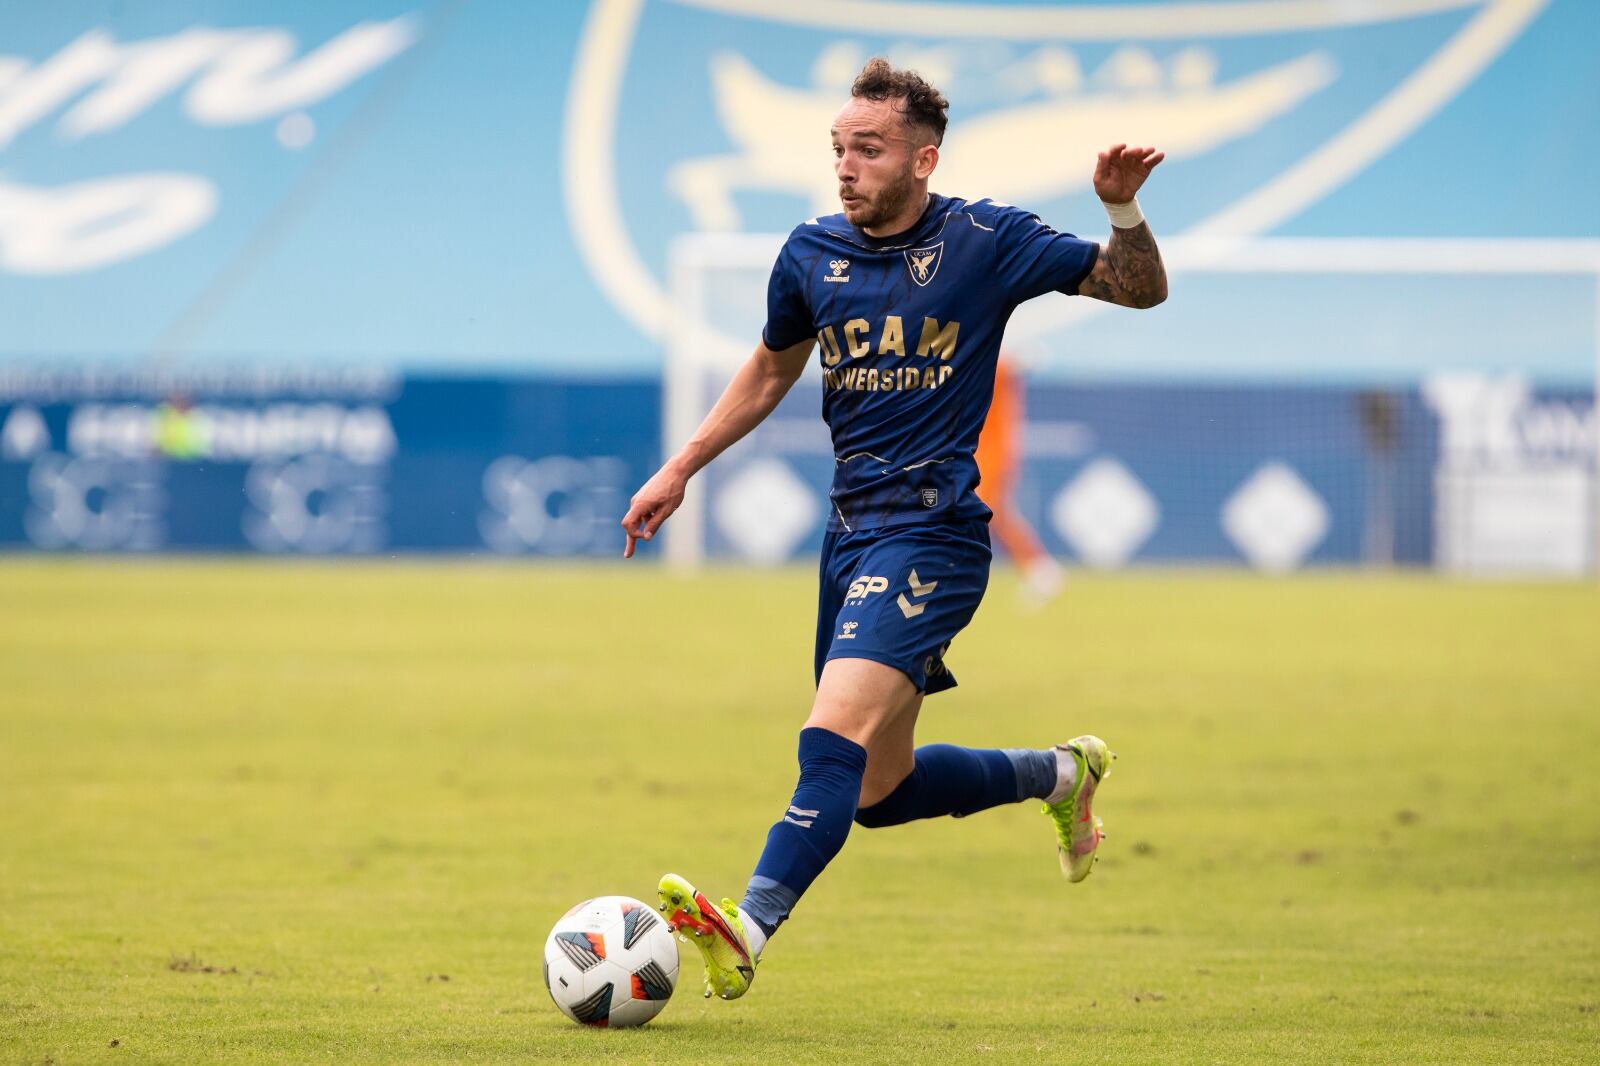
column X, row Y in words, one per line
column 1130, row 271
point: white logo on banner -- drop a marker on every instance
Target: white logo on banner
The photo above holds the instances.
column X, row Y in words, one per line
column 94, row 504
column 316, row 504
column 1488, row 421
column 1516, row 480
column 765, row 510
column 1275, row 518
column 236, row 76
column 556, row 505
column 1105, row 513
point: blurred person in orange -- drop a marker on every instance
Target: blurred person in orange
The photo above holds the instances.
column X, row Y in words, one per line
column 1001, row 447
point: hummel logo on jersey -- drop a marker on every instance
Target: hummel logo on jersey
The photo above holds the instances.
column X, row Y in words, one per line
column 838, row 266
column 848, row 630
column 924, row 262
column 864, row 586
column 918, row 590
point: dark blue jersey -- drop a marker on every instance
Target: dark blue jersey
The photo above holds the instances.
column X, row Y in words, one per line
column 909, row 330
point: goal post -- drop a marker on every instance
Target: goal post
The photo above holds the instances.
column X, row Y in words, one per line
column 1491, row 348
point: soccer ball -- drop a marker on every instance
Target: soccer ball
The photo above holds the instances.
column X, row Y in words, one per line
column 611, row 962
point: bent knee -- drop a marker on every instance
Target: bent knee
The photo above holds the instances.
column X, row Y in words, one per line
column 874, row 817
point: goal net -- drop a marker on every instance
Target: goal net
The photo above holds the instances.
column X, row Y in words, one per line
column 1297, row 402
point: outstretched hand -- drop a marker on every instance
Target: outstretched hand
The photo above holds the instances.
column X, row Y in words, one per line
column 1121, row 170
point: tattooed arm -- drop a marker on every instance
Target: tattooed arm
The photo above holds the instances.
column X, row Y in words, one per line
column 1128, row 270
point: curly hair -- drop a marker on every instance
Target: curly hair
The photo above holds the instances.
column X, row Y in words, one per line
column 923, row 105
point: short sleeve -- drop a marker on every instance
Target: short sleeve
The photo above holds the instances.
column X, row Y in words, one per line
column 789, row 319
column 1034, row 259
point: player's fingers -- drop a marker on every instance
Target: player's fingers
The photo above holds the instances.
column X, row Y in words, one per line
column 1155, row 159
column 627, row 550
column 660, row 516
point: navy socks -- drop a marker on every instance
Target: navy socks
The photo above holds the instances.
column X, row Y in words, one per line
column 812, row 831
column 948, row 780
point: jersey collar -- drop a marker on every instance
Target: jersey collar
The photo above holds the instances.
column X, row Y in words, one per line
column 933, row 217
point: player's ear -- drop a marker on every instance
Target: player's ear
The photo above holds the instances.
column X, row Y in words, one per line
column 926, row 159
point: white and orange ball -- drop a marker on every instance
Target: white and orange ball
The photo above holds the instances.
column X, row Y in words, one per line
column 611, row 962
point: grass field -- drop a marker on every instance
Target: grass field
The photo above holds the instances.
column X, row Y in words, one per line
column 262, row 812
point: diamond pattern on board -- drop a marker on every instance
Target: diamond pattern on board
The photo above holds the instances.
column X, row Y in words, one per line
column 1105, row 513
column 765, row 510
column 1275, row 518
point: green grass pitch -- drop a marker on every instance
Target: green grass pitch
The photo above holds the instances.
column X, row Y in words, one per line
column 269, row 812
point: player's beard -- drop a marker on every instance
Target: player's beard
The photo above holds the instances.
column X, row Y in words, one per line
column 886, row 206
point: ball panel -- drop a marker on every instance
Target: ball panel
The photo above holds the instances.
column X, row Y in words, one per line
column 637, row 920
column 650, row 981
column 595, row 1008
column 586, row 950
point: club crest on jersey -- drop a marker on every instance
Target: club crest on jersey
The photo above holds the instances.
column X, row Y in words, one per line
column 930, row 497
column 924, row 262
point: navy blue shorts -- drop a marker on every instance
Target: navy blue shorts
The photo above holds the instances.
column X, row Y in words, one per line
column 899, row 595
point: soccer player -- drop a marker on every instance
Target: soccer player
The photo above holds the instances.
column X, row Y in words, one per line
column 908, row 294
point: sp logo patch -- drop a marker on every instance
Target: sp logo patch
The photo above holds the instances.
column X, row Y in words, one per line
column 864, row 586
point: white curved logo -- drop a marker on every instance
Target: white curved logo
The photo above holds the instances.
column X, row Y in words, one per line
column 235, row 76
column 556, row 505
column 1176, row 100
column 95, row 504
column 316, row 504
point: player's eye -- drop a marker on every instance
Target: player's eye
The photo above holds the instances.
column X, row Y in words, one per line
column 870, row 153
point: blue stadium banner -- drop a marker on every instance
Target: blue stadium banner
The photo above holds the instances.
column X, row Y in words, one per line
column 284, row 460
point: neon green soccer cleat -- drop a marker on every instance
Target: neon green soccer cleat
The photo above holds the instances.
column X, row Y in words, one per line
column 1078, row 831
column 718, row 933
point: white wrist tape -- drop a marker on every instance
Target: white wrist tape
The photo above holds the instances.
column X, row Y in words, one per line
column 1124, row 216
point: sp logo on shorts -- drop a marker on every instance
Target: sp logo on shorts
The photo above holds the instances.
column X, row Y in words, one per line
column 864, row 586
column 930, row 497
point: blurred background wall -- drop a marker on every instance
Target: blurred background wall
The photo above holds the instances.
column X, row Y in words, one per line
column 372, row 277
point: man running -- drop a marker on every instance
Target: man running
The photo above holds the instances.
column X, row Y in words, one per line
column 908, row 294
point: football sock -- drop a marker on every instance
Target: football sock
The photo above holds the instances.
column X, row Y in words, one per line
column 1066, row 776
column 947, row 780
column 812, row 831
column 754, row 935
